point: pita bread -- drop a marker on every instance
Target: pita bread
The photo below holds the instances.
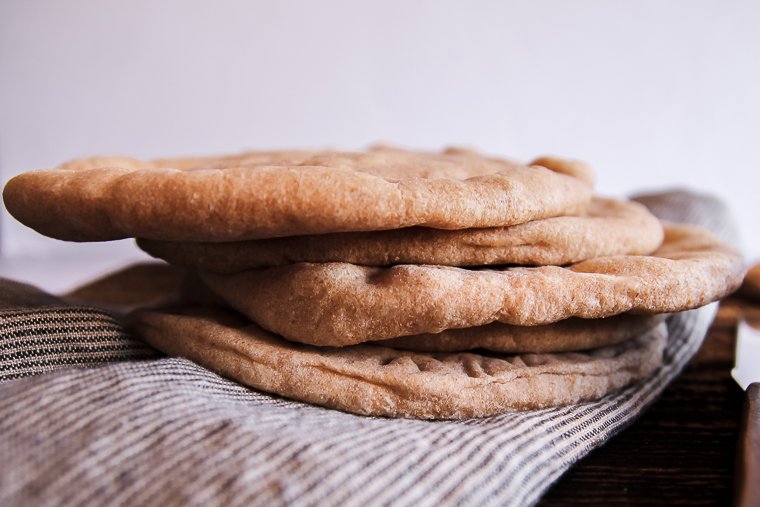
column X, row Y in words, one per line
column 563, row 336
column 341, row 304
column 271, row 194
column 608, row 227
column 140, row 284
column 567, row 335
column 380, row 381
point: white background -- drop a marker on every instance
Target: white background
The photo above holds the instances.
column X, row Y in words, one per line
column 654, row 94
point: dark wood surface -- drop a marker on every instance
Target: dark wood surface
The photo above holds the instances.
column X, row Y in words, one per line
column 682, row 450
column 748, row 452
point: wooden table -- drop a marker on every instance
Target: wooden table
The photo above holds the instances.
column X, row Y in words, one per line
column 682, row 450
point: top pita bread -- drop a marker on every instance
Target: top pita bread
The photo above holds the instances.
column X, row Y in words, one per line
column 342, row 304
column 284, row 193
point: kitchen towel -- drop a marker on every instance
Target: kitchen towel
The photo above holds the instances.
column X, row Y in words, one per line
column 91, row 416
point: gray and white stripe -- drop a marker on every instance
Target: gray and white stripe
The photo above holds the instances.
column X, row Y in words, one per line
column 38, row 340
column 167, row 432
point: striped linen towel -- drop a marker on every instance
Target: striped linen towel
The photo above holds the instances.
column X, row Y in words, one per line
column 90, row 416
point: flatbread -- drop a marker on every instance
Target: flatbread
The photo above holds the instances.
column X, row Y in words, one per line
column 751, row 285
column 140, row 284
column 342, row 304
column 380, row 381
column 567, row 335
column 272, row 194
column 608, row 227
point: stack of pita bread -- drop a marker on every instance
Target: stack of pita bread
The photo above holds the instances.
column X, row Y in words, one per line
column 395, row 283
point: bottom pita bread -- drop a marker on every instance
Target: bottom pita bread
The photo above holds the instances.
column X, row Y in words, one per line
column 381, row 381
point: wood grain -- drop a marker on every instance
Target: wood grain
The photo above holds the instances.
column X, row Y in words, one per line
column 748, row 454
column 682, row 450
